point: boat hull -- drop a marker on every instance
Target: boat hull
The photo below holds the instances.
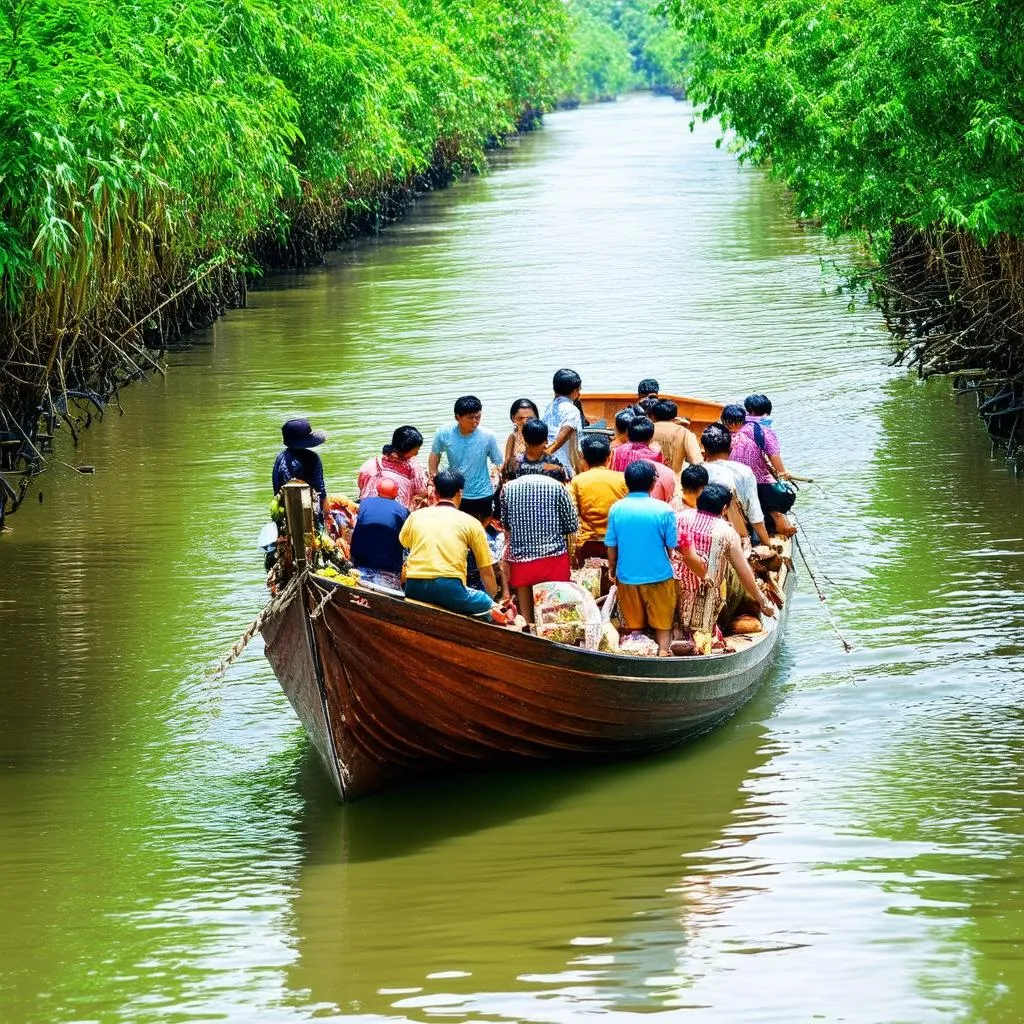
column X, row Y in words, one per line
column 391, row 690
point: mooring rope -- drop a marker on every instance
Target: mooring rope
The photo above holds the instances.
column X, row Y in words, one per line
column 822, row 597
column 328, row 593
column 278, row 603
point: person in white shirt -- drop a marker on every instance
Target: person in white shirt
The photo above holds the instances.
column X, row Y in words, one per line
column 717, row 443
column 563, row 419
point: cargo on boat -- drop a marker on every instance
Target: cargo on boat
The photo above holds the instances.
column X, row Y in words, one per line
column 391, row 690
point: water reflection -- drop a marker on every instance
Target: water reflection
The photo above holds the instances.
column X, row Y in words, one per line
column 552, row 884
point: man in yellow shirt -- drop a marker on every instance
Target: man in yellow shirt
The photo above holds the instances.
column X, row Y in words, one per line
column 594, row 491
column 439, row 538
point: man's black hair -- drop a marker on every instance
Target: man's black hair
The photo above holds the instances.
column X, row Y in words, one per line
column 734, row 414
column 713, row 499
column 646, row 406
column 648, row 386
column 664, row 410
column 623, row 418
column 693, row 478
column 640, row 476
column 565, row 382
column 596, row 449
column 758, row 405
column 716, row 440
column 640, row 429
column 467, row 405
column 448, row 483
column 535, row 432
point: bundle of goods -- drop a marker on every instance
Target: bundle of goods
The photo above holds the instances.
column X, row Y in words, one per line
column 566, row 614
column 745, row 624
column 347, row 577
column 764, row 559
column 588, row 576
column 339, row 518
column 638, row 645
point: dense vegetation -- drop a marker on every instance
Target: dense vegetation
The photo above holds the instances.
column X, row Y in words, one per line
column 901, row 119
column 152, row 148
column 619, row 45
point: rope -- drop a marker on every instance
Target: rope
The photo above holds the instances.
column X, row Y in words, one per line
column 278, row 603
column 847, row 646
column 318, row 610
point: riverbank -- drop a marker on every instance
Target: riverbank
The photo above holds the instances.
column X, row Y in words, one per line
column 884, row 136
column 175, row 151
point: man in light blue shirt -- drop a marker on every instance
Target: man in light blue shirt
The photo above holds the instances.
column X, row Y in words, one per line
column 642, row 533
column 563, row 419
column 470, row 449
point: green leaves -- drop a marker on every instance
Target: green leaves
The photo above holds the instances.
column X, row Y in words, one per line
column 876, row 112
column 193, row 123
column 619, row 45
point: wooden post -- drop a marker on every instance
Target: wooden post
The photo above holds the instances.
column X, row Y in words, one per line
column 298, row 510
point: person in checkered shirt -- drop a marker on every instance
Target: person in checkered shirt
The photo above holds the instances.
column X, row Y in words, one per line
column 539, row 517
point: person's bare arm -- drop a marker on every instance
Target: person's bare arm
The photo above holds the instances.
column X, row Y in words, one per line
column 432, row 465
column 562, row 436
column 691, row 559
column 509, row 448
column 488, row 579
column 613, row 561
column 779, row 466
column 746, row 575
column 762, row 533
column 692, row 448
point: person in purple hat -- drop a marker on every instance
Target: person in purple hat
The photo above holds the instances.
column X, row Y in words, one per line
column 298, row 461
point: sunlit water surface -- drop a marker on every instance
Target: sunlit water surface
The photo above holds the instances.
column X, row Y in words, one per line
column 848, row 849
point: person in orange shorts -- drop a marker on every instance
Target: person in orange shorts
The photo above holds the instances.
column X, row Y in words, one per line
column 642, row 534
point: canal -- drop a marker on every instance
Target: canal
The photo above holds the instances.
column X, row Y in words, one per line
column 851, row 847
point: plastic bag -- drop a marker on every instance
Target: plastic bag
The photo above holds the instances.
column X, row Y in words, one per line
column 566, row 614
column 588, row 576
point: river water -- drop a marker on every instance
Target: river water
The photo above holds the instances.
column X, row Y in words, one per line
column 849, row 848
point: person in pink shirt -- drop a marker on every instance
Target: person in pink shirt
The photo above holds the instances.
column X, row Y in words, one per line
column 665, row 484
column 744, row 448
column 775, row 497
column 757, row 424
column 397, row 462
column 640, row 433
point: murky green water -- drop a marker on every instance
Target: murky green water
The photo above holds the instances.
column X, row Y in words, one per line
column 849, row 849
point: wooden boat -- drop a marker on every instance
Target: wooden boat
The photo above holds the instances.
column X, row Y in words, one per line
column 391, row 689
column 604, row 405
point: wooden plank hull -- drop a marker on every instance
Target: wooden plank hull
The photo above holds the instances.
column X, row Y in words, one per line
column 394, row 690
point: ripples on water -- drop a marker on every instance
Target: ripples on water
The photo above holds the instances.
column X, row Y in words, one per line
column 847, row 849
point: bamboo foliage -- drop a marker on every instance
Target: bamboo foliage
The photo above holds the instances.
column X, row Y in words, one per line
column 901, row 120
column 148, row 144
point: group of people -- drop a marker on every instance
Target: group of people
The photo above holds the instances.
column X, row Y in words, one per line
column 670, row 516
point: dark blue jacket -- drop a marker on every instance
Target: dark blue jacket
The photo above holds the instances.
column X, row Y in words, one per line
column 301, row 464
column 375, row 543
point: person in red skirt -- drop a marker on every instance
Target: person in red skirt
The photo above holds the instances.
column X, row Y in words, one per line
column 539, row 517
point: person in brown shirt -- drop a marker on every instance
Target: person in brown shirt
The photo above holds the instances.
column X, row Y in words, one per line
column 678, row 444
